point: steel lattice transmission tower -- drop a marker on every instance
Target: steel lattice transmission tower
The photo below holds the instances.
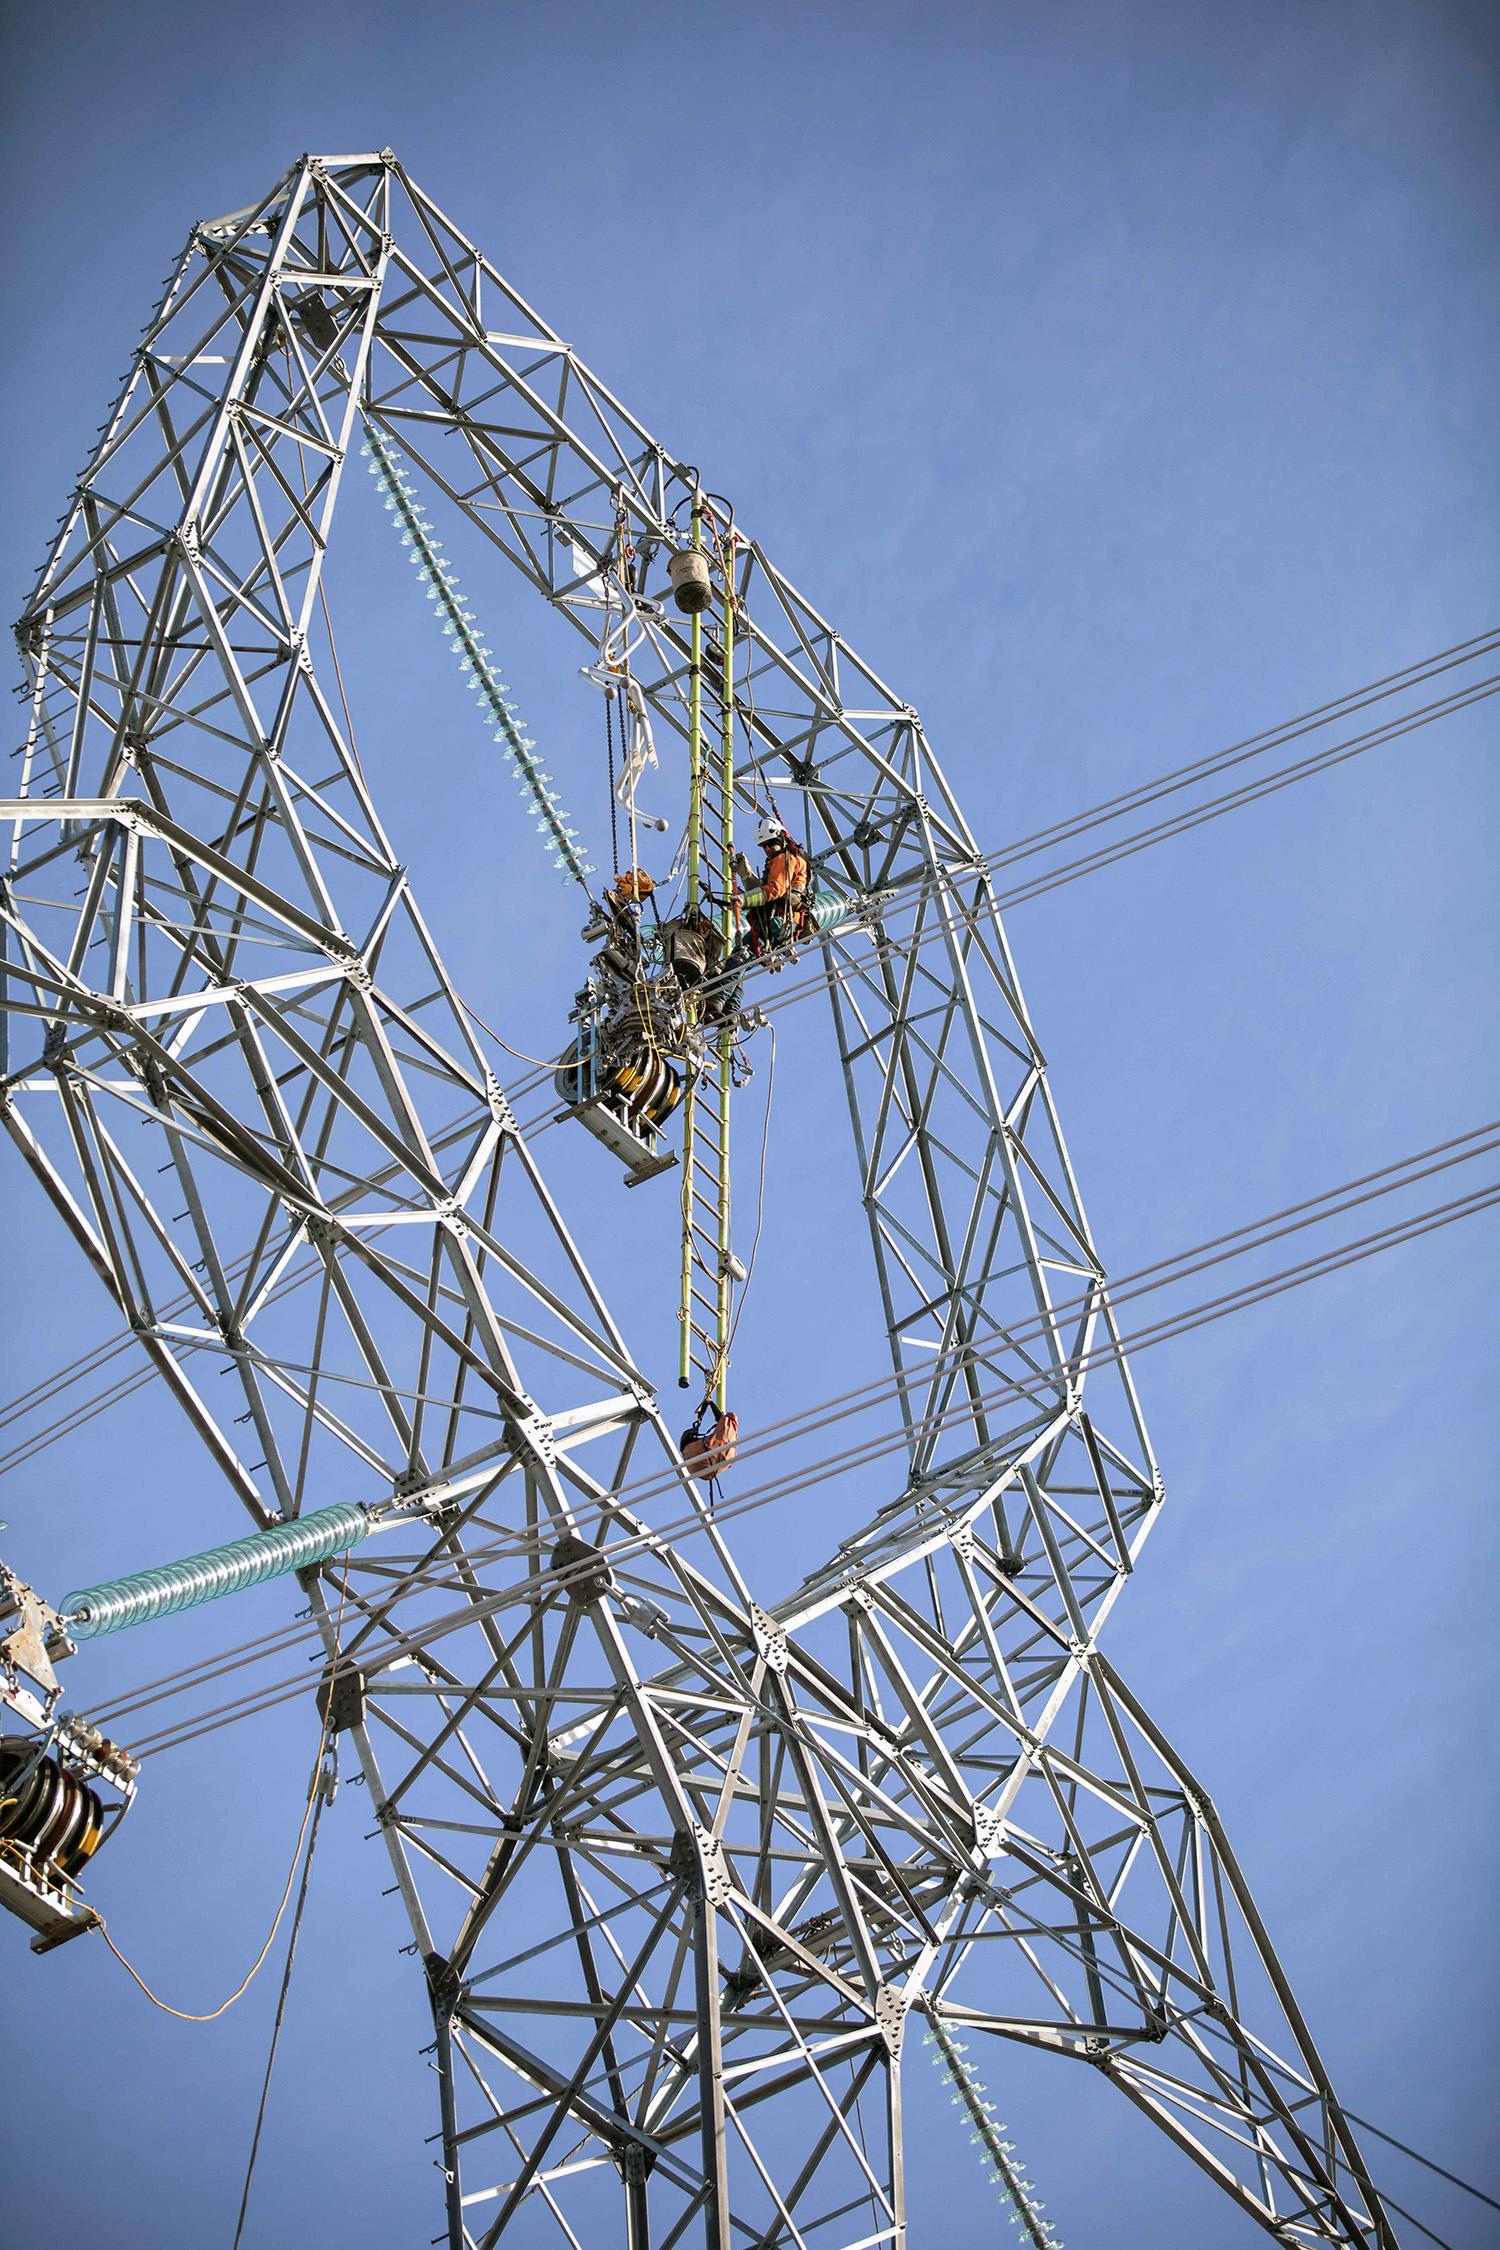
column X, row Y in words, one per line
column 680, row 1863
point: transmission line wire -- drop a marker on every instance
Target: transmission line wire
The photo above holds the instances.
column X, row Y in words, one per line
column 845, row 973
column 1417, row 2158
column 525, row 1546
column 1127, row 847
column 1394, row 683
column 1324, row 714
column 821, row 1414
column 1254, row 1235
column 1268, row 785
column 1412, row 2220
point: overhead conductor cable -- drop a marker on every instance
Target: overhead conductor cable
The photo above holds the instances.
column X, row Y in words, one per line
column 636, row 1543
column 119, row 1594
column 842, row 973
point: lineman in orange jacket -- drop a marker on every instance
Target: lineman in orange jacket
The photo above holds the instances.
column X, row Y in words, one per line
column 778, row 909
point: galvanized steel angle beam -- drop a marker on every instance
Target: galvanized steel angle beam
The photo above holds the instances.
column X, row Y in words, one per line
column 740, row 1826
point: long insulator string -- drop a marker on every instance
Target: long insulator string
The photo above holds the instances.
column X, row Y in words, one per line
column 989, row 2135
column 298, row 1544
column 475, row 658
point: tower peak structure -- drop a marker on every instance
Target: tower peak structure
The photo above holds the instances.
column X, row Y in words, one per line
column 687, row 1865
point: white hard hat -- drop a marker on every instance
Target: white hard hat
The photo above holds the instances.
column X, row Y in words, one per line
column 768, row 830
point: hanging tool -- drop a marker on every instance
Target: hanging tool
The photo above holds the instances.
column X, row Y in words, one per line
column 616, row 1078
column 64, row 1786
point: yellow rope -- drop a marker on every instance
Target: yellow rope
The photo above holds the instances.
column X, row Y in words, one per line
column 474, row 1017
column 185, row 2015
column 22, row 1856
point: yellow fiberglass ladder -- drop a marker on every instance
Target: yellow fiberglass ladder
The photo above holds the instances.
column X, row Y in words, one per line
column 707, row 1270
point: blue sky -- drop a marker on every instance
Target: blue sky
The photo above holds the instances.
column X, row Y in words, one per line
column 1121, row 379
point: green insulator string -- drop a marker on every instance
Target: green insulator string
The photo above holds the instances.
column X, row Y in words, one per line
column 989, row 2136
column 475, row 658
column 272, row 1553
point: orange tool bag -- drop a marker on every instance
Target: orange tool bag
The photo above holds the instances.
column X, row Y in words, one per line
column 706, row 1454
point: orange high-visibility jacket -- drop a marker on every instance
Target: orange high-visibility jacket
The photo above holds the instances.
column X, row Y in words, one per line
column 786, row 870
